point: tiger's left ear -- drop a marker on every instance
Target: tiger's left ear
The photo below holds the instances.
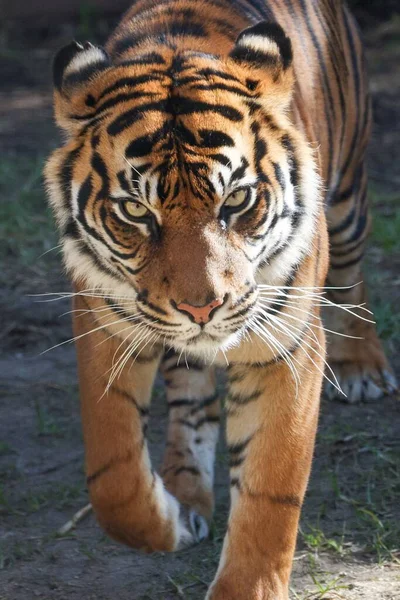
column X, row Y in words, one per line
column 76, row 68
column 265, row 47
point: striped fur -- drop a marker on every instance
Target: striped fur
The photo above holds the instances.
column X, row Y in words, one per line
column 210, row 147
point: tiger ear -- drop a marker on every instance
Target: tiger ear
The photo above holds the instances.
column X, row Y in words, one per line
column 267, row 52
column 75, row 70
column 263, row 46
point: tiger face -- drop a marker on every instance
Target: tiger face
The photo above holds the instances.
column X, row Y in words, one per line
column 183, row 183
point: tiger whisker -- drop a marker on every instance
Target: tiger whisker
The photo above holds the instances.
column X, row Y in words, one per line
column 328, row 304
column 119, row 332
column 83, row 311
column 179, row 358
column 149, row 335
column 267, row 337
column 225, row 357
column 153, row 340
column 277, row 345
column 295, row 287
column 271, row 340
column 287, row 328
column 135, row 330
column 286, row 315
column 59, row 246
column 119, row 366
column 78, row 337
column 133, row 167
column 84, row 293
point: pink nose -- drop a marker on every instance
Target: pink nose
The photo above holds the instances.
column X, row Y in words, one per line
column 200, row 314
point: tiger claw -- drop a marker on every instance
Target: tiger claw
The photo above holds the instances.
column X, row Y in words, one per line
column 199, row 526
column 367, row 386
column 195, row 526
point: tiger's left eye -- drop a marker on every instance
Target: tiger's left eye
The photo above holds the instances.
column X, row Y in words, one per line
column 134, row 210
column 237, row 199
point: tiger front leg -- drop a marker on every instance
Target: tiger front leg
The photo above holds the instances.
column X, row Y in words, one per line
column 193, row 427
column 128, row 497
column 271, row 425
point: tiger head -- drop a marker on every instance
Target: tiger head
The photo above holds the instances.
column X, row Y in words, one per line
column 183, row 183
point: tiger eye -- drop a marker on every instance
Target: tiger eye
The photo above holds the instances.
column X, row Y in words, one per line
column 237, row 198
column 134, row 210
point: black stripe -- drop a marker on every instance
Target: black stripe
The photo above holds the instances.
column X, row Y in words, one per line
column 241, row 400
column 131, row 82
column 204, row 403
column 144, row 59
column 183, row 105
column 236, row 461
column 108, row 466
column 65, row 176
column 84, row 74
column 346, row 265
column 128, row 118
column 325, row 82
column 235, row 482
column 239, row 447
column 289, row 500
column 200, row 422
column 142, row 410
column 181, row 402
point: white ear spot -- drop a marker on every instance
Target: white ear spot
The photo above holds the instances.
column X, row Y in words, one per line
column 260, row 44
column 264, row 45
column 84, row 59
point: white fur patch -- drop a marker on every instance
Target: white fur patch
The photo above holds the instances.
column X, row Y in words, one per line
column 301, row 242
column 260, row 43
column 85, row 59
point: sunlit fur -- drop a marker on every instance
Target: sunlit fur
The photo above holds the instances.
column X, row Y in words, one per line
column 189, row 104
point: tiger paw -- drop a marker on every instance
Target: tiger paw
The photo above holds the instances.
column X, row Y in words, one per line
column 195, row 524
column 360, row 383
column 358, row 361
column 238, row 590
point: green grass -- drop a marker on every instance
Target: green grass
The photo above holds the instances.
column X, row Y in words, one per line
column 385, row 238
column 45, row 424
column 386, row 230
column 323, row 589
column 58, row 496
column 385, row 220
column 10, row 553
column 387, row 318
column 316, row 540
column 365, row 492
column 26, row 226
column 5, row 449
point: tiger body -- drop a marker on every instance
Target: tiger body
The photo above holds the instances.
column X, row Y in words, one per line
column 207, row 158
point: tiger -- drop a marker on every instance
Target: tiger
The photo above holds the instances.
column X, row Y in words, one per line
column 211, row 198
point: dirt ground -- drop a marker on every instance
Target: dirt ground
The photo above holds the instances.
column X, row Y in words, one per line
column 349, row 543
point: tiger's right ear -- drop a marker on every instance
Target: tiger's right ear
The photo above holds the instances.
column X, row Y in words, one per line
column 75, row 70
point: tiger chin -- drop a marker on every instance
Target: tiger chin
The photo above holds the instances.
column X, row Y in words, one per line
column 210, row 159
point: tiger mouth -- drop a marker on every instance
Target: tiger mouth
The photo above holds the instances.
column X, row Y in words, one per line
column 204, row 336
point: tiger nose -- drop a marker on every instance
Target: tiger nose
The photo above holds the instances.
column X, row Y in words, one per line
column 200, row 314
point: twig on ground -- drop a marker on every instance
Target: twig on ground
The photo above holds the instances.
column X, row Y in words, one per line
column 78, row 516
